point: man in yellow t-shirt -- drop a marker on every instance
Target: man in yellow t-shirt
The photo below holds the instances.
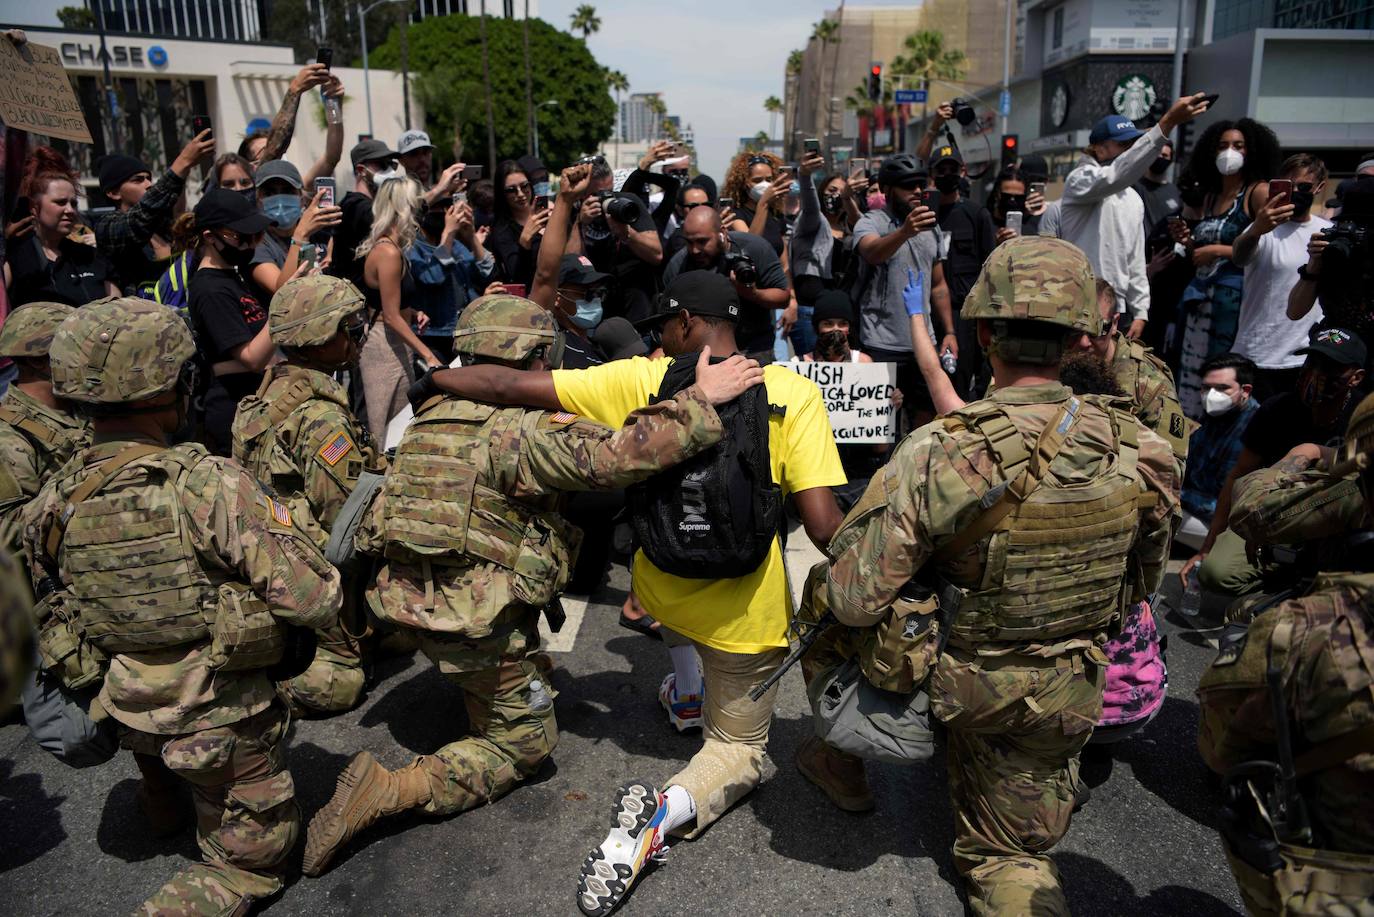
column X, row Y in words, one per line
column 738, row 626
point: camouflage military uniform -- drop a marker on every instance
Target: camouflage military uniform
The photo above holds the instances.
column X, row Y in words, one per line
column 1323, row 647
column 1020, row 683
column 16, row 630
column 1150, row 384
column 468, row 524
column 298, row 435
column 35, row 440
column 144, row 561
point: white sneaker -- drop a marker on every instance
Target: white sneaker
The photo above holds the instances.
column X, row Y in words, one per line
column 684, row 711
column 636, row 838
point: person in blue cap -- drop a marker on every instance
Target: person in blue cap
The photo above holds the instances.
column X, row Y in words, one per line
column 1102, row 215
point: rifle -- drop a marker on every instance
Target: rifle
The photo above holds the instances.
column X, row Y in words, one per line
column 804, row 642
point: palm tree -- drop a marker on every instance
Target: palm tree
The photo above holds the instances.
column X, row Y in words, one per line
column 585, row 20
column 757, row 144
column 486, row 86
column 792, row 85
column 617, row 82
column 866, row 109
column 794, row 62
column 827, row 32
column 658, row 110
column 927, row 58
column 773, row 105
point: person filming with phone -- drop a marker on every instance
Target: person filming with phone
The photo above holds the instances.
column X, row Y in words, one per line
column 295, row 218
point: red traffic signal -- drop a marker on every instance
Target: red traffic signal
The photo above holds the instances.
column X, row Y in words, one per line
column 875, row 81
column 1010, row 151
column 877, row 70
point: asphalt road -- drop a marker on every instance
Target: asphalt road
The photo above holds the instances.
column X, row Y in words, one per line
column 73, row 841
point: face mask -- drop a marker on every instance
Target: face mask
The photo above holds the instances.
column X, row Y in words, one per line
column 250, row 195
column 833, row 202
column 947, row 184
column 282, row 209
column 588, row 313
column 1160, row 165
column 833, row 346
column 757, row 189
column 237, row 257
column 1302, row 203
column 1012, row 202
column 377, row 179
column 1216, row 403
column 1229, row 162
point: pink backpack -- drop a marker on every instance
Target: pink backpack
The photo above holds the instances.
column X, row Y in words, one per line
column 1137, row 678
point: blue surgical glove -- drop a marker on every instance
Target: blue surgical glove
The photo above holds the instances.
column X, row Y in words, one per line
column 913, row 294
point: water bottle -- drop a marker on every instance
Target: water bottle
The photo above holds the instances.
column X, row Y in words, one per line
column 1191, row 605
column 949, row 362
column 540, row 702
column 333, row 111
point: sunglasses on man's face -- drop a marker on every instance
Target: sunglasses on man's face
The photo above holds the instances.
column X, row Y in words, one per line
column 690, row 207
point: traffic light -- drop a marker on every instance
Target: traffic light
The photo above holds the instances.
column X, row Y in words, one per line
column 1010, row 153
column 875, row 82
column 1184, row 146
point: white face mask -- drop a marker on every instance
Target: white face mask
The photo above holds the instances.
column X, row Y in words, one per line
column 1230, row 161
column 1216, row 403
column 756, row 191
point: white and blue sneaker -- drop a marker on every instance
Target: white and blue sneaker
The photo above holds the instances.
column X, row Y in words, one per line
column 635, row 840
column 684, row 710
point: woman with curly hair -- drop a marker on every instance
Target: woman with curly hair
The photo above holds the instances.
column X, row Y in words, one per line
column 43, row 262
column 1232, row 163
column 387, row 360
column 759, row 188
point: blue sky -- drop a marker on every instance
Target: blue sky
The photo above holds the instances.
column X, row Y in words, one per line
column 714, row 62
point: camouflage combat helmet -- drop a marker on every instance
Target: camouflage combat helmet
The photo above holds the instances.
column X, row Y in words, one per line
column 117, row 350
column 28, row 330
column 308, row 310
column 509, row 328
column 1034, row 278
column 1357, row 450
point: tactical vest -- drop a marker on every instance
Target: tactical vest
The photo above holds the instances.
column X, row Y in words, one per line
column 1171, row 424
column 1057, row 562
column 256, row 445
column 134, row 533
column 441, row 506
column 53, row 443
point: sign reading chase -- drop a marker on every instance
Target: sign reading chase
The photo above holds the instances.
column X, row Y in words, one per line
column 78, row 53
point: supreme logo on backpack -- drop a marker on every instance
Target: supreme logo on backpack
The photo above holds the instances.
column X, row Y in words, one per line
column 715, row 515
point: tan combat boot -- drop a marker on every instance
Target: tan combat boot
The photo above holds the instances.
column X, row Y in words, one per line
column 366, row 792
column 162, row 797
column 840, row 776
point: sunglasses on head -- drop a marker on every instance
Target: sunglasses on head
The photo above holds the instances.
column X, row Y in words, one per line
column 760, row 160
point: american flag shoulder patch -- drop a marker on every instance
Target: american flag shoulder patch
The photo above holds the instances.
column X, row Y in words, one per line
column 562, row 417
column 280, row 513
column 338, row 446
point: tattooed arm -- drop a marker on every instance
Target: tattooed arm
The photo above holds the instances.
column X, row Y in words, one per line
column 284, row 124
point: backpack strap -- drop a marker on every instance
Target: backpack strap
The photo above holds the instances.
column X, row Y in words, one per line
column 1335, row 751
column 58, row 530
column 1007, row 496
column 35, row 430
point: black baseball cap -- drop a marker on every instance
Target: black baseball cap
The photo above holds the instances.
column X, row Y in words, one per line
column 618, row 339
column 945, row 151
column 224, row 209
column 370, row 151
column 579, row 269
column 1338, row 345
column 697, row 292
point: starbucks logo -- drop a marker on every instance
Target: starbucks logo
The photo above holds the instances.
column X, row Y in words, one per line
column 1133, row 96
column 1059, row 105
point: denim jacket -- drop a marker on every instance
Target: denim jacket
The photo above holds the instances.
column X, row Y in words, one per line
column 445, row 282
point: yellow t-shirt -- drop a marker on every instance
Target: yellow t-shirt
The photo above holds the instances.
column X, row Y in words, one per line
column 748, row 614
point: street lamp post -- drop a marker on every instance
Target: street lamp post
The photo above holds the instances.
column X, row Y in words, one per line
column 362, row 31
column 536, row 123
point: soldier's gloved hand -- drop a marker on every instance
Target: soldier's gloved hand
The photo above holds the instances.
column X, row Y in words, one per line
column 423, row 388
column 913, row 295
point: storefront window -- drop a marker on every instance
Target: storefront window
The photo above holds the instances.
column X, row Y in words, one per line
column 154, row 119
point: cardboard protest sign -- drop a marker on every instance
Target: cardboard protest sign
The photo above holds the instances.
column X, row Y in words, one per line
column 858, row 397
column 35, row 94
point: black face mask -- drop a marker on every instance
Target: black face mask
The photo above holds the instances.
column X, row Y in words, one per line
column 1160, row 166
column 1010, row 202
column 235, row 256
column 1302, row 203
column 947, row 184
column 832, row 202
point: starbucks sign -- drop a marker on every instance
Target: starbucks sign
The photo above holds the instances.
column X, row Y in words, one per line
column 1133, row 96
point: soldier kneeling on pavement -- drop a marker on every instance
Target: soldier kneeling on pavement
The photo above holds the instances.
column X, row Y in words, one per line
column 474, row 548
column 1051, row 513
column 1288, row 704
column 298, row 435
column 165, row 574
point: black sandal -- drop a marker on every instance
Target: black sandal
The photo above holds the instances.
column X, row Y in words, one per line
column 643, row 625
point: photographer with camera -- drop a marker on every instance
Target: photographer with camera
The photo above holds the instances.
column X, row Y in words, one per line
column 1340, row 266
column 618, row 235
column 750, row 263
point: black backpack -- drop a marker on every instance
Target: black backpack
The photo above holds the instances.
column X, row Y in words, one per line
column 715, row 515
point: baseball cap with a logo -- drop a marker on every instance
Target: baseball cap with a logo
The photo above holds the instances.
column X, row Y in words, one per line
column 1114, row 127
column 943, row 152
column 699, row 293
column 413, row 140
column 1338, row 345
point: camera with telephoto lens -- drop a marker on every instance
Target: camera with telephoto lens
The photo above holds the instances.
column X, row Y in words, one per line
column 963, row 112
column 626, row 208
column 1346, row 244
column 742, row 266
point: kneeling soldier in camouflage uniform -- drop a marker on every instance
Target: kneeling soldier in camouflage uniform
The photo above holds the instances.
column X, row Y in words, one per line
column 38, row 431
column 176, row 566
column 298, row 435
column 1288, row 713
column 468, row 523
column 1089, row 496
